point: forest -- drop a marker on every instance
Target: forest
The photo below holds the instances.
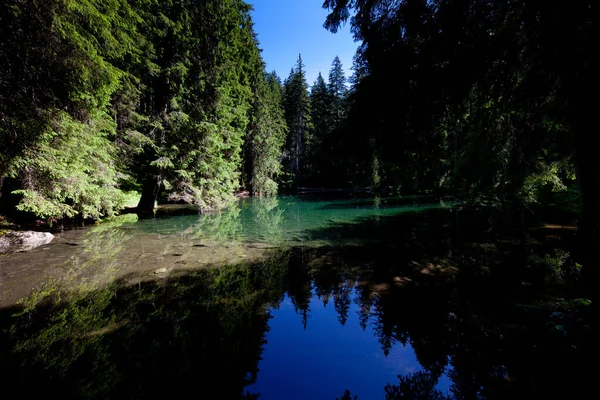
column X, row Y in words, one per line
column 103, row 100
column 105, row 104
column 442, row 194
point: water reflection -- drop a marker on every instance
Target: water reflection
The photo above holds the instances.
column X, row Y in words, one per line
column 82, row 336
column 287, row 220
column 438, row 303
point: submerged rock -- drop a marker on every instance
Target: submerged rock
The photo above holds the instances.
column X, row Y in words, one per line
column 12, row 241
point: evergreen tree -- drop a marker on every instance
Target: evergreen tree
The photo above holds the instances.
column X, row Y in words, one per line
column 200, row 104
column 297, row 113
column 145, row 95
column 338, row 91
column 59, row 67
column 267, row 133
column 321, row 112
column 360, row 71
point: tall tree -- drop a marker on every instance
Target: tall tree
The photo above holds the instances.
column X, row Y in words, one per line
column 145, row 95
column 320, row 112
column 338, row 95
column 328, row 113
column 266, row 136
column 196, row 102
column 297, row 113
column 338, row 91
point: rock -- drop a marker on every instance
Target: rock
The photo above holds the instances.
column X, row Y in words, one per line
column 244, row 194
column 13, row 241
column 161, row 271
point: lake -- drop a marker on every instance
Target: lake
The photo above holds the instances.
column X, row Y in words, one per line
column 312, row 297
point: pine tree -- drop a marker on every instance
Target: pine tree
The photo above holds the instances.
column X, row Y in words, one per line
column 321, row 112
column 486, row 97
column 338, row 91
column 266, row 137
column 297, row 113
column 197, row 102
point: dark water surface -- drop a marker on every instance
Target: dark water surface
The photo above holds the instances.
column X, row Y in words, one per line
column 293, row 298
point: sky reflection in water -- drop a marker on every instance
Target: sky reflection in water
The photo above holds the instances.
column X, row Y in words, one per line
column 327, row 357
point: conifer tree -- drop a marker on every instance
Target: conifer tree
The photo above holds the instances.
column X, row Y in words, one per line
column 297, row 113
column 321, row 113
column 266, row 136
column 338, row 91
column 104, row 95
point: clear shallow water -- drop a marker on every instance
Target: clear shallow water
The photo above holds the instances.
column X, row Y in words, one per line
column 288, row 219
column 282, row 298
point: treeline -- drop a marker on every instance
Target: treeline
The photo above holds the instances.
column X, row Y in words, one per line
column 315, row 116
column 481, row 99
column 484, row 99
column 168, row 99
column 105, row 102
column 475, row 97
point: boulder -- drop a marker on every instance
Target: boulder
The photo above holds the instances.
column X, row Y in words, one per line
column 12, row 241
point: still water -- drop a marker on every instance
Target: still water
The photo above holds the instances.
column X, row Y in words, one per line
column 286, row 298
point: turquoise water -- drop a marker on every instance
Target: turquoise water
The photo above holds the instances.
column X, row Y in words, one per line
column 289, row 219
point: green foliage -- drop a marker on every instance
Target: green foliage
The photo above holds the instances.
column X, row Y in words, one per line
column 152, row 96
column 297, row 114
column 266, row 137
column 71, row 171
column 338, row 92
column 467, row 97
column 320, row 151
column 195, row 102
column 559, row 267
column 327, row 148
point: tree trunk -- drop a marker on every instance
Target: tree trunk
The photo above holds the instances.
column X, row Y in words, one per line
column 1, row 185
column 150, row 191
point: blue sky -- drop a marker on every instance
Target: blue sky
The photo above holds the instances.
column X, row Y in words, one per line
column 288, row 27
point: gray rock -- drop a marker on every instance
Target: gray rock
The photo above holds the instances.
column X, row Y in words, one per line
column 13, row 241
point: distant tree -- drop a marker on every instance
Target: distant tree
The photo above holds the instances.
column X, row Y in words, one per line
column 328, row 112
column 297, row 112
column 338, row 91
column 320, row 111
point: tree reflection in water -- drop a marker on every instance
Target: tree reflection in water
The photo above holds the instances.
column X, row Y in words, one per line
column 456, row 296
